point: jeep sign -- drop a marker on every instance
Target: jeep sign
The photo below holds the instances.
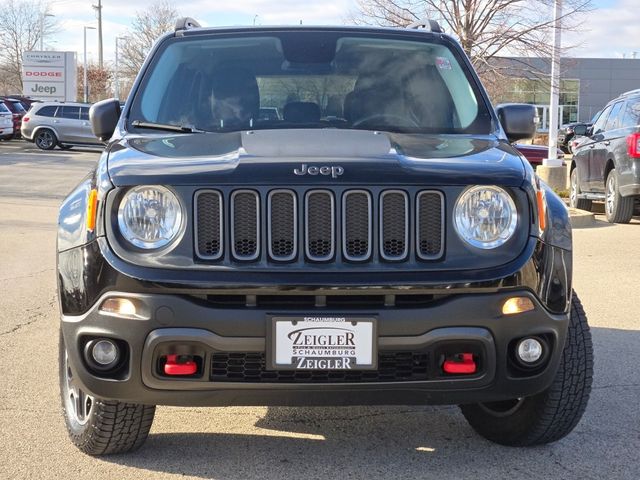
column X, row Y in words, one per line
column 49, row 76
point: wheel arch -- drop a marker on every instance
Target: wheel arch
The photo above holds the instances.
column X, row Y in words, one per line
column 39, row 128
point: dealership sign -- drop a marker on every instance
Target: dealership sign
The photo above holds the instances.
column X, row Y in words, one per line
column 50, row 76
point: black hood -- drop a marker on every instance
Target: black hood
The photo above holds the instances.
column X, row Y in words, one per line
column 269, row 157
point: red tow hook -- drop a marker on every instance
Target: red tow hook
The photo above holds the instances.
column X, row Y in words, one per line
column 461, row 364
column 180, row 365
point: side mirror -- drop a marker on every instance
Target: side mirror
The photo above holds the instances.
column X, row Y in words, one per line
column 104, row 116
column 580, row 130
column 518, row 120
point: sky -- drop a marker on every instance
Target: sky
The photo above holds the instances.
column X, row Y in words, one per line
column 610, row 30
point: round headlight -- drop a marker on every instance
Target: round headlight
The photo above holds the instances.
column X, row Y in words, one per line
column 485, row 217
column 150, row 217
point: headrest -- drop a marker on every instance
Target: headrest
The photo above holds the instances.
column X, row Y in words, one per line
column 301, row 112
column 236, row 98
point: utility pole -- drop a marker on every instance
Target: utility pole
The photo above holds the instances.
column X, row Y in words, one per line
column 552, row 158
column 552, row 170
column 98, row 9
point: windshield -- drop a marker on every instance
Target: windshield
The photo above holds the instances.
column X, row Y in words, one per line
column 310, row 79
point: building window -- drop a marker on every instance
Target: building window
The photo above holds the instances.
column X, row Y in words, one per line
column 536, row 92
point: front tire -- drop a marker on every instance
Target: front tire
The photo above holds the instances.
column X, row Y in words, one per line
column 574, row 201
column 96, row 426
column 45, row 139
column 551, row 414
column 617, row 208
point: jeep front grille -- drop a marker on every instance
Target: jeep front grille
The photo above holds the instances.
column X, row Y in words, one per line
column 208, row 217
column 394, row 225
column 282, row 229
column 356, row 225
column 319, row 225
column 245, row 233
column 430, row 225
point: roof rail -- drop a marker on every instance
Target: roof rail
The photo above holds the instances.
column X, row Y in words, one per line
column 427, row 24
column 630, row 92
column 186, row 23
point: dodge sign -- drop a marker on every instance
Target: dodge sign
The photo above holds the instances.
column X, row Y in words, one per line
column 50, row 76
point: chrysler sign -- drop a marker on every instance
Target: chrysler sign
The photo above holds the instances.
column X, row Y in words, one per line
column 50, row 76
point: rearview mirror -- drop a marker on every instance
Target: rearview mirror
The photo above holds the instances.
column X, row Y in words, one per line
column 580, row 130
column 518, row 120
column 104, row 116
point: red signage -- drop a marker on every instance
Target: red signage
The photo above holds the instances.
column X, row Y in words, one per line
column 43, row 74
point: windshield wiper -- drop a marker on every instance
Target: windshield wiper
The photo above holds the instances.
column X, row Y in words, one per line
column 167, row 127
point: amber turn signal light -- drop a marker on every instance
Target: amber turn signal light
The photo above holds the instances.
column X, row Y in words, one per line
column 92, row 209
column 542, row 210
column 517, row 305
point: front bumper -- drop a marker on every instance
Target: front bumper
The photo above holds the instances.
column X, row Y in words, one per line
column 177, row 319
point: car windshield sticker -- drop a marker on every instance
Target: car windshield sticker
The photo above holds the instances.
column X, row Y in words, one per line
column 443, row 63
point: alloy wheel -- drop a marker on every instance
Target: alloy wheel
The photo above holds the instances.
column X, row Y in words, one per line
column 45, row 140
column 78, row 403
column 610, row 201
column 573, row 193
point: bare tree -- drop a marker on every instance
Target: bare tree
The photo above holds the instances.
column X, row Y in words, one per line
column 146, row 27
column 98, row 79
column 22, row 24
column 486, row 29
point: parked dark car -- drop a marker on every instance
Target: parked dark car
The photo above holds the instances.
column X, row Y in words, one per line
column 17, row 110
column 606, row 165
column 25, row 101
column 566, row 134
column 535, row 154
column 404, row 253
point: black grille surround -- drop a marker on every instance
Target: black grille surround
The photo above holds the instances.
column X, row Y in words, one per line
column 356, row 226
column 250, row 367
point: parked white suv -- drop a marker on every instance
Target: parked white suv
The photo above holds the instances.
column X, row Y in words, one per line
column 6, row 123
column 49, row 124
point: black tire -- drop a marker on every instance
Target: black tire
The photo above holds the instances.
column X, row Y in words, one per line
column 553, row 413
column 574, row 191
column 45, row 139
column 618, row 209
column 108, row 427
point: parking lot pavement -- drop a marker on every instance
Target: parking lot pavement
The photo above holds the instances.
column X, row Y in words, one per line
column 247, row 443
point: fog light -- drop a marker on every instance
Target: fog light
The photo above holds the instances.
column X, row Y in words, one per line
column 105, row 352
column 529, row 350
column 517, row 305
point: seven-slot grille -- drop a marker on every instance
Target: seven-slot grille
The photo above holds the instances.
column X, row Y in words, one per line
column 319, row 225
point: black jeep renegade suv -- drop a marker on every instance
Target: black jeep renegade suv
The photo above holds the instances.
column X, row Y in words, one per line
column 378, row 241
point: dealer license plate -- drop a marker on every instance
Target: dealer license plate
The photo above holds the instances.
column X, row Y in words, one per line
column 323, row 343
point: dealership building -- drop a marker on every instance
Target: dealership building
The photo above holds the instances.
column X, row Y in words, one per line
column 587, row 84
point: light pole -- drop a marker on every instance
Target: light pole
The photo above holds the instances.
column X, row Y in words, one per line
column 117, row 92
column 42, row 20
column 553, row 160
column 86, row 87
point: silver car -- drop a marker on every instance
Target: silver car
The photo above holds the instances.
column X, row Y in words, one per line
column 51, row 124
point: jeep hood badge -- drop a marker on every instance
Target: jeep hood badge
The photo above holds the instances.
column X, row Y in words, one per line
column 305, row 169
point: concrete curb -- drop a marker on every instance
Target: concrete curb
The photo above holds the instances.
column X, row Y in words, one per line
column 581, row 218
